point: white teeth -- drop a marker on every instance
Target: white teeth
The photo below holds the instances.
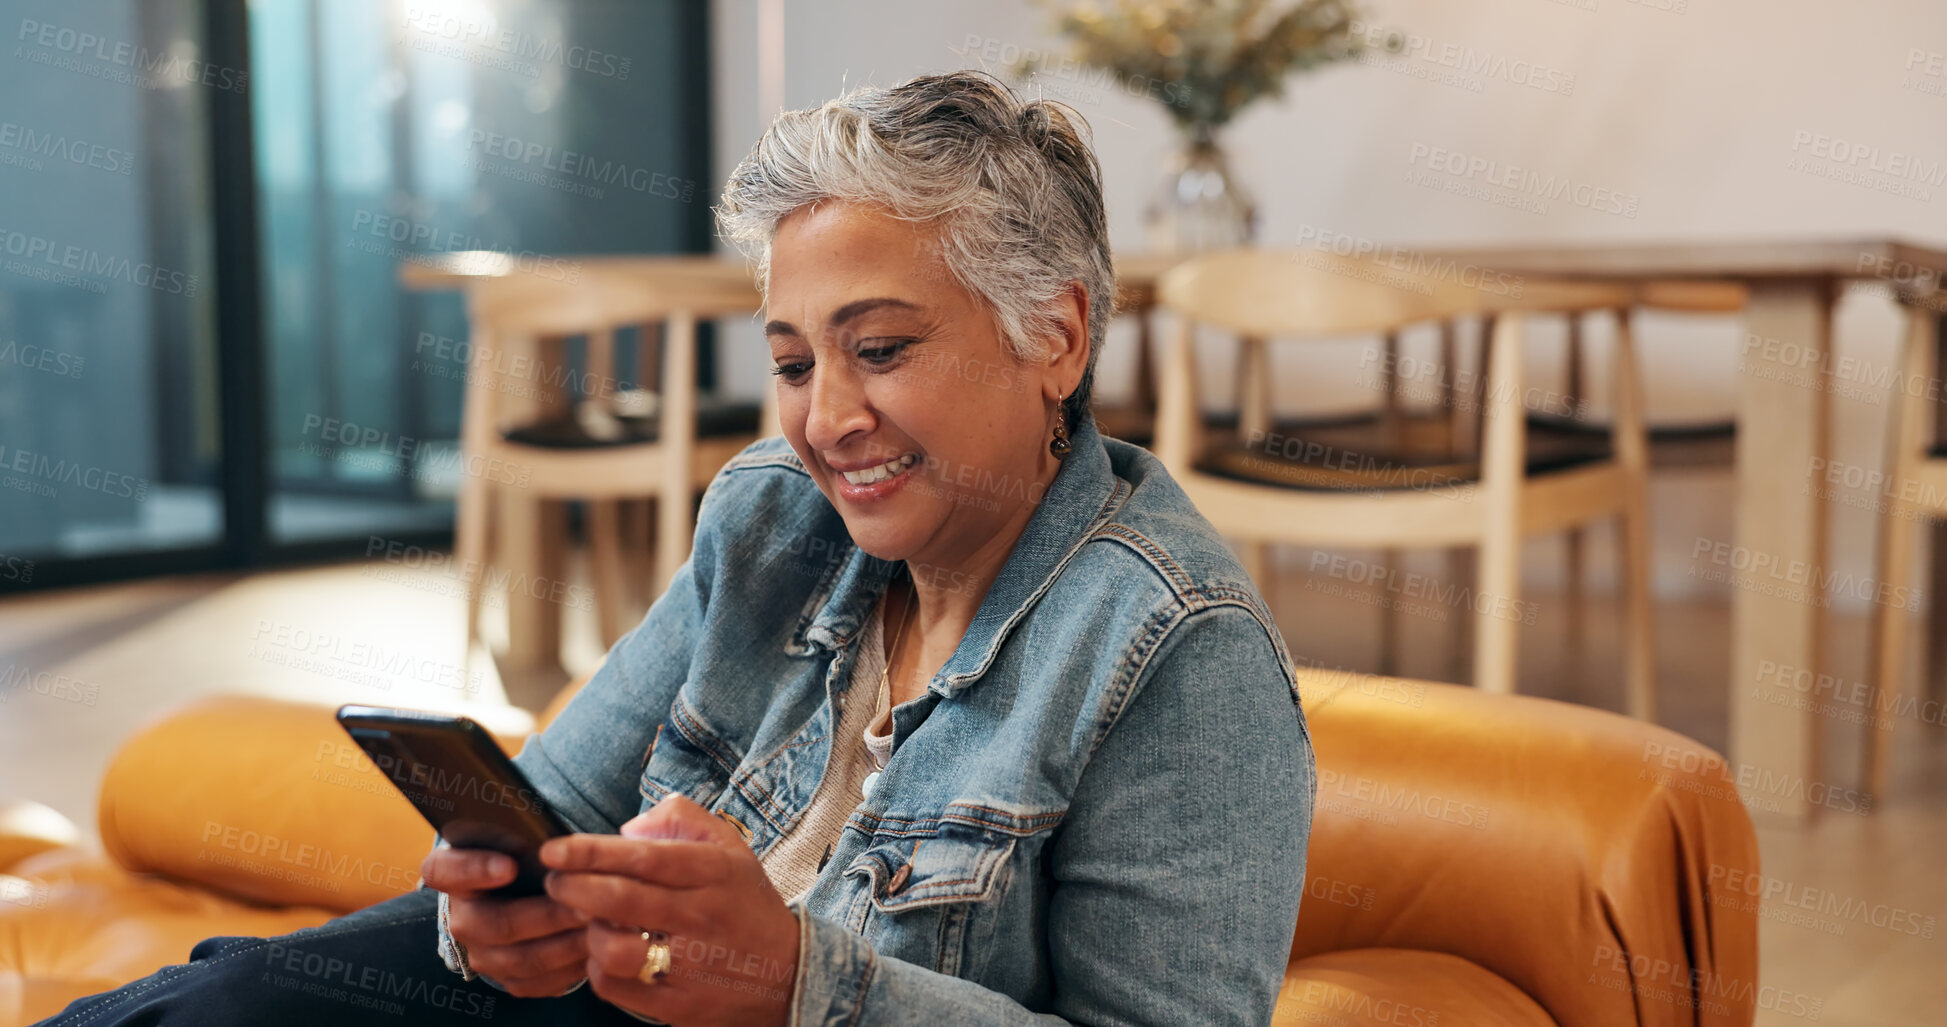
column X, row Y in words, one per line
column 881, row 472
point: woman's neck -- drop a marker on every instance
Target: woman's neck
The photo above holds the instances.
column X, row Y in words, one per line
column 948, row 597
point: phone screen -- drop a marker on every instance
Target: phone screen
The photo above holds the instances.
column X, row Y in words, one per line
column 456, row 775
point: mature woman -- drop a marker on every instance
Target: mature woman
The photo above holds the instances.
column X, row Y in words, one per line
column 959, row 713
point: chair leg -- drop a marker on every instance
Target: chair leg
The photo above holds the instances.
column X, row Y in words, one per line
column 1639, row 639
column 472, row 528
column 676, row 527
column 1899, row 528
column 1179, row 418
column 1253, row 388
column 529, row 551
column 473, row 521
column 638, row 548
column 1573, row 594
column 1578, row 536
column 1890, row 626
column 1935, row 659
column 1461, row 567
column 608, row 569
column 651, row 531
column 1389, row 640
column 1630, row 440
column 1503, row 469
column 1935, row 637
column 1255, row 555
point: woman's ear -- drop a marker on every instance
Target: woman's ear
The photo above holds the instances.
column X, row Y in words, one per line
column 1068, row 345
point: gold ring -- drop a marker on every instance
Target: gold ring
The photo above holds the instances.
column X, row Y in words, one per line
column 655, row 962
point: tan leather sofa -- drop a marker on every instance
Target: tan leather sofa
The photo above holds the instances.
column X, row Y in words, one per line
column 1475, row 859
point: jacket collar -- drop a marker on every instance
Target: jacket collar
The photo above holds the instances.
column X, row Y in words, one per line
column 1084, row 494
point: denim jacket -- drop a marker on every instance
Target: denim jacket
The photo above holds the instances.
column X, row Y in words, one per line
column 1095, row 814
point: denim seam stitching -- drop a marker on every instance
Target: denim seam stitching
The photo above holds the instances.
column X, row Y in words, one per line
column 1157, row 556
column 874, row 823
column 777, row 813
column 820, row 595
column 1135, row 663
column 1251, row 604
column 865, row 982
column 759, row 796
column 692, row 728
column 747, row 460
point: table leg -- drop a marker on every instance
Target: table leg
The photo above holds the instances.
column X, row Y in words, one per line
column 1777, row 750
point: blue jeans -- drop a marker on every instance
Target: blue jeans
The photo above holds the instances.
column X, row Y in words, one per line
column 376, row 966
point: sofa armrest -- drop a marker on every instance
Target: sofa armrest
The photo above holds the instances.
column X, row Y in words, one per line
column 265, row 800
column 1579, row 854
column 28, row 829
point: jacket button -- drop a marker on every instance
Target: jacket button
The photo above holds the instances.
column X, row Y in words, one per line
column 899, row 879
column 866, row 786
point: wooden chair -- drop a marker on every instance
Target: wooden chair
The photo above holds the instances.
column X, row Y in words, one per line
column 1692, row 445
column 1488, row 502
column 1134, row 419
column 1915, row 491
column 529, row 451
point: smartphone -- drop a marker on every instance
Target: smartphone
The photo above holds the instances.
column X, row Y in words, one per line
column 456, row 775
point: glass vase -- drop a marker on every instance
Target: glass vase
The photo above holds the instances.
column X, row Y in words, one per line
column 1199, row 205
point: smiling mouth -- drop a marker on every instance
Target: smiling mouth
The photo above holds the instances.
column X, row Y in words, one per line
column 874, row 475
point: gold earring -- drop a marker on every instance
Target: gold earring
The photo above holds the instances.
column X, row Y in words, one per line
column 1059, row 444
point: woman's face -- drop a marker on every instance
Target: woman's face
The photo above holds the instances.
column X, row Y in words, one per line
column 889, row 369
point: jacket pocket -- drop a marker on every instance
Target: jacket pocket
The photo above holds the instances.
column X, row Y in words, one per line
column 932, row 898
column 688, row 758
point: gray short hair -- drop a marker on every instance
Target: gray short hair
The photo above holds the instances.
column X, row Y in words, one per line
column 1014, row 183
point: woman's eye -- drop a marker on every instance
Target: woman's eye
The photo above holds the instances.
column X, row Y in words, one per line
column 792, row 373
column 883, row 354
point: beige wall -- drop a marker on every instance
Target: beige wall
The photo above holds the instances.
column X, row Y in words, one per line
column 1688, row 118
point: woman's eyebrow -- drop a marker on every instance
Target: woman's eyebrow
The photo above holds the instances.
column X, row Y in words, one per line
column 848, row 312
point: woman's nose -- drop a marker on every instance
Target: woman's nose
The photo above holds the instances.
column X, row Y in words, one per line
column 838, row 407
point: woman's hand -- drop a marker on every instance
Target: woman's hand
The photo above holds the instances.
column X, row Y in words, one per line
column 532, row 947
column 687, row 876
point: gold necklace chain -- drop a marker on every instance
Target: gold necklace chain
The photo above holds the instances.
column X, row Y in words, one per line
column 905, row 619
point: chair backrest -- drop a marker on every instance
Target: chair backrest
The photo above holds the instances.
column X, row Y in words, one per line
column 1308, row 293
column 1261, row 294
column 604, row 298
column 1265, row 293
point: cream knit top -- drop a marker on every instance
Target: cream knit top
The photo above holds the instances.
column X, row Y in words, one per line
column 861, row 744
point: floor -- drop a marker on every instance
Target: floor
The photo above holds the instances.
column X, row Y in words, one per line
column 81, row 669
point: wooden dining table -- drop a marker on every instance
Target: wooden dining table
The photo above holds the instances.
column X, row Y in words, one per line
column 1777, row 746
column 1776, row 557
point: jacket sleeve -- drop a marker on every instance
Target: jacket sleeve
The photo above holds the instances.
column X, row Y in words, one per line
column 578, row 765
column 1176, row 873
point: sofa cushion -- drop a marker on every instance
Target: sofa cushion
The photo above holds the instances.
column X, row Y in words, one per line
column 76, row 924
column 266, row 801
column 1400, row 988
